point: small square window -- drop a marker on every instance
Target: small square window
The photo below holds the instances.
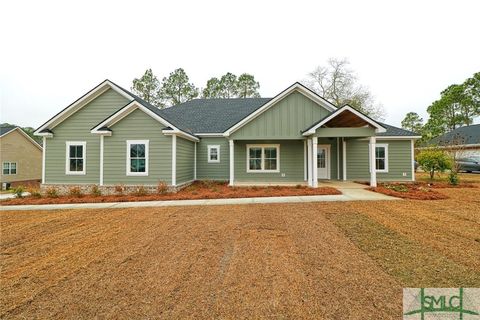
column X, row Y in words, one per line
column 213, row 154
column 9, row 168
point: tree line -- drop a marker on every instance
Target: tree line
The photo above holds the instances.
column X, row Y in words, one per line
column 458, row 105
column 335, row 81
column 177, row 88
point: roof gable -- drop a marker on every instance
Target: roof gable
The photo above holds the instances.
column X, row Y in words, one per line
column 9, row 130
column 355, row 117
column 296, row 87
column 466, row 135
column 79, row 104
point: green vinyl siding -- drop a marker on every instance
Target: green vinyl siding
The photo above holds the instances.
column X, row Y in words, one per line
column 185, row 160
column 213, row 171
column 291, row 162
column 137, row 126
column 77, row 128
column 284, row 120
column 399, row 160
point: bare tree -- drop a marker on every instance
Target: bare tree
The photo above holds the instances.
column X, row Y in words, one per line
column 337, row 83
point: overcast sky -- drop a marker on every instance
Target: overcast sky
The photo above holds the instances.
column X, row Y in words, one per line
column 406, row 52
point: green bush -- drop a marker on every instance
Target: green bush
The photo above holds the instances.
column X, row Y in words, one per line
column 434, row 160
column 453, row 178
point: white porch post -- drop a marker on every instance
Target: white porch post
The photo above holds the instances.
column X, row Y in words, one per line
column 373, row 169
column 305, row 162
column 344, row 158
column 195, row 163
column 309, row 162
column 338, row 158
column 101, row 160
column 232, row 171
column 44, row 151
column 314, row 162
column 174, row 160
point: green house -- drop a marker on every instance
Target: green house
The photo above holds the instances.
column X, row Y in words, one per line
column 109, row 137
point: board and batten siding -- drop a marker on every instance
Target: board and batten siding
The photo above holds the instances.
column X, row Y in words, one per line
column 291, row 162
column 77, row 128
column 137, row 126
column 217, row 170
column 284, row 120
column 399, row 160
column 185, row 160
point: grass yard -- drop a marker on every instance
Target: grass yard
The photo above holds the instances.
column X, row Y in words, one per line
column 339, row 260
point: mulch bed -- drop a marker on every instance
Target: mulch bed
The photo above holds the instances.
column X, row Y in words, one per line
column 409, row 191
column 197, row 190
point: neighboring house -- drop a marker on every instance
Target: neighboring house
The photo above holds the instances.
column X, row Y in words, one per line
column 110, row 136
column 20, row 156
column 465, row 140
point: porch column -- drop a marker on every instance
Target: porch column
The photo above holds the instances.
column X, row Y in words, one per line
column 305, row 162
column 344, row 158
column 195, row 162
column 174, row 160
column 44, row 151
column 373, row 168
column 314, row 162
column 101, row 159
column 309, row 162
column 231, row 145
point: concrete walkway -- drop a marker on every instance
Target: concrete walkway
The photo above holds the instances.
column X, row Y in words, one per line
column 350, row 192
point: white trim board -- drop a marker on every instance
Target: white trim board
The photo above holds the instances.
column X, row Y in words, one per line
column 80, row 103
column 335, row 114
column 295, row 87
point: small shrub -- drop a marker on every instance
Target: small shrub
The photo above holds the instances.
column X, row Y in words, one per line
column 18, row 191
column 298, row 186
column 95, row 191
column 119, row 188
column 52, row 192
column 140, row 191
column 453, row 178
column 34, row 192
column 434, row 160
column 75, row 192
column 162, row 187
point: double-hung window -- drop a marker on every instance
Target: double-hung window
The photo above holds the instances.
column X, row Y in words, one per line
column 76, row 155
column 263, row 158
column 137, row 157
column 213, row 154
column 9, row 168
column 381, row 157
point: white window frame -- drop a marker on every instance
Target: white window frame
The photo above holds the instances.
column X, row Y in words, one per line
column 263, row 146
column 382, row 145
column 129, row 143
column 10, row 168
column 67, row 157
column 209, row 159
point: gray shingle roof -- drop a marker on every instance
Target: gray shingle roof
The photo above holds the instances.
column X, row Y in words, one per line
column 464, row 135
column 212, row 115
column 218, row 115
column 395, row 131
column 4, row 130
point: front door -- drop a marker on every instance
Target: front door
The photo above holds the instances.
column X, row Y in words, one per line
column 323, row 161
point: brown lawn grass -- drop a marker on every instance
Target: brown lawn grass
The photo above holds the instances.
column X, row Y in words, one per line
column 343, row 260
